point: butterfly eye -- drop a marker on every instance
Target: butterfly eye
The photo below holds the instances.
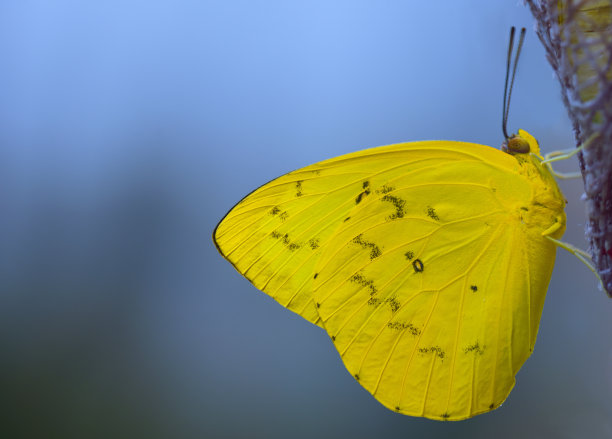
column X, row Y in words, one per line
column 516, row 145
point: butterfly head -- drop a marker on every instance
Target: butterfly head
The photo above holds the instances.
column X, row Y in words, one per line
column 521, row 143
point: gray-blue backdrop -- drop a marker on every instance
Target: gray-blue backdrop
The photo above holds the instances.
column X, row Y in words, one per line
column 129, row 128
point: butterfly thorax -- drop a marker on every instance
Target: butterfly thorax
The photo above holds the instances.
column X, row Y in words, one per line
column 545, row 213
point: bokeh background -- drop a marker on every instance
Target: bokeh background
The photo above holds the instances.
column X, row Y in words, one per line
column 127, row 130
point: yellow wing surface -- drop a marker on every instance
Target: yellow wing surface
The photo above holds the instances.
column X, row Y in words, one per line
column 425, row 262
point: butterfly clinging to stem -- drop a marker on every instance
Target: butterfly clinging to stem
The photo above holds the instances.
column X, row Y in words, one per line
column 427, row 263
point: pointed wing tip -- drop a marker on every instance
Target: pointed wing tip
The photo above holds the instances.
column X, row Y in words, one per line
column 214, row 238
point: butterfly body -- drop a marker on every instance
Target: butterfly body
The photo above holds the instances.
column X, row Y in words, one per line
column 427, row 263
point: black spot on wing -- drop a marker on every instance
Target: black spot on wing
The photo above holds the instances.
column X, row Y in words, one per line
column 374, row 249
column 364, row 193
column 374, row 301
column 385, row 189
column 399, row 205
column 491, row 406
column 285, row 240
column 409, row 255
column 402, row 326
column 298, row 188
column 314, row 243
column 436, row 350
column 445, row 415
column 418, row 266
column 360, row 279
column 393, row 303
column 315, row 275
column 474, row 288
column 431, row 213
column 475, row 348
column 282, row 215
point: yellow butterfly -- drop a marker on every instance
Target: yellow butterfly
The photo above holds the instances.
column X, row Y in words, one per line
column 427, row 263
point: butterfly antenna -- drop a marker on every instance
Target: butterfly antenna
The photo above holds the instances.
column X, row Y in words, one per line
column 508, row 90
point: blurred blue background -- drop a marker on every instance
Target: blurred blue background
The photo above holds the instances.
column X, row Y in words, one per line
column 129, row 128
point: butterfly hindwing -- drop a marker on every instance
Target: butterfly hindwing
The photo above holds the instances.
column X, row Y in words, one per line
column 438, row 319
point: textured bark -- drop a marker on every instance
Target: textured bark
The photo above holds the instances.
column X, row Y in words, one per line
column 577, row 36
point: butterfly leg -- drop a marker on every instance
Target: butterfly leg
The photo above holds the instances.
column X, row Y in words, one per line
column 584, row 257
column 555, row 156
column 564, row 175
